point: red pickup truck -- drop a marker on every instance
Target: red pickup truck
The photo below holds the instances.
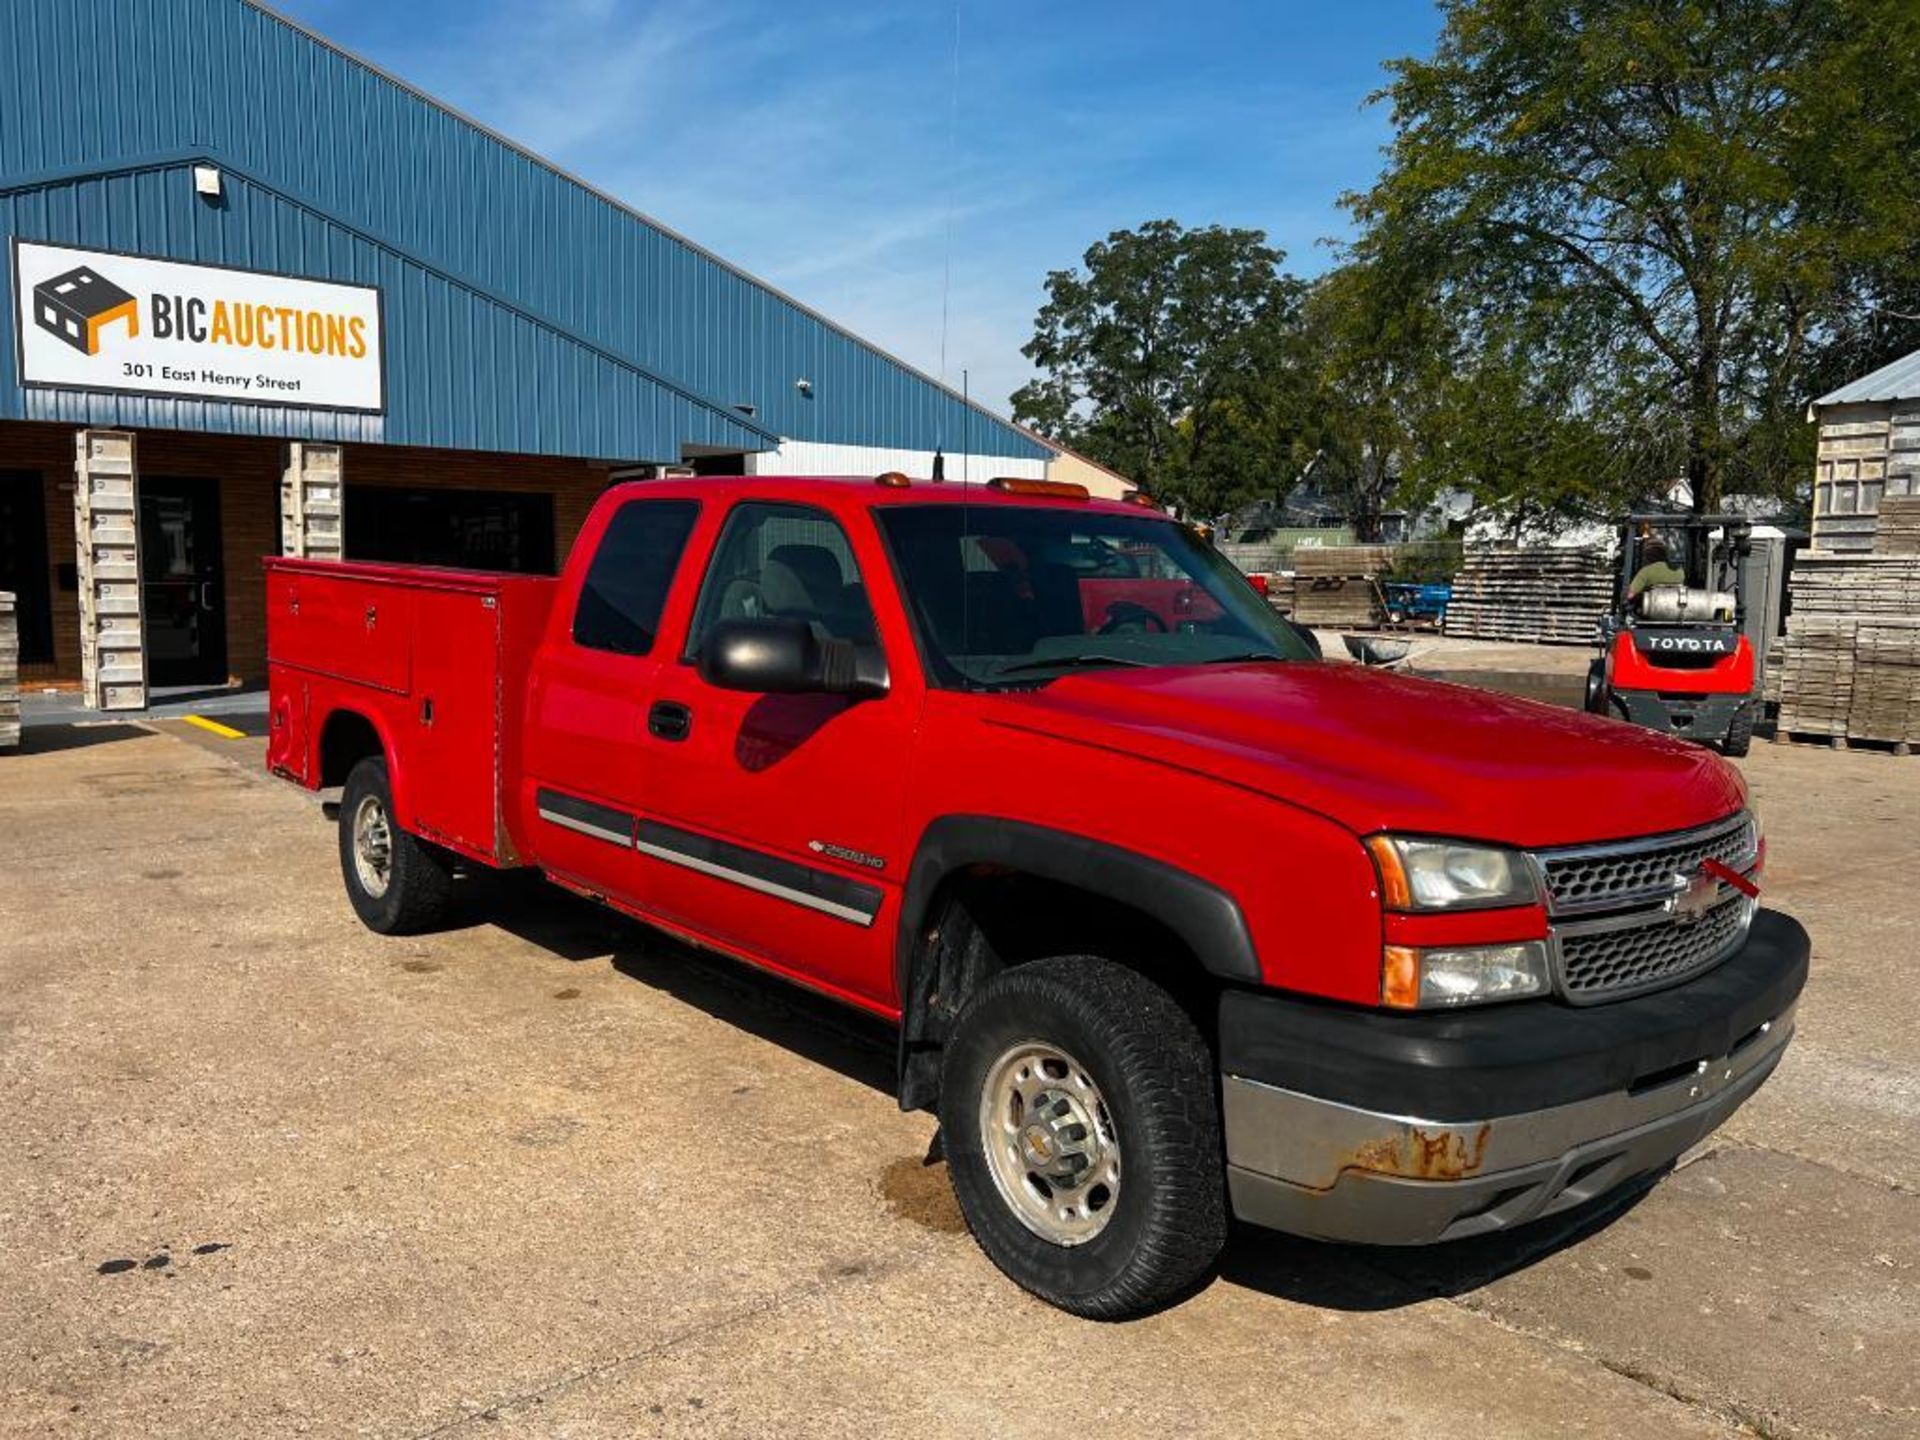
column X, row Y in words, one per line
column 1176, row 920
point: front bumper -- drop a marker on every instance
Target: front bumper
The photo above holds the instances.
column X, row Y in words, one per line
column 1400, row 1129
column 1706, row 718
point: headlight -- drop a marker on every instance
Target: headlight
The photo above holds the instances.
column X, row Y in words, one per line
column 1443, row 875
column 1413, row 979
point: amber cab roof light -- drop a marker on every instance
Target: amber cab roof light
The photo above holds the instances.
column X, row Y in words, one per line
column 893, row 480
column 1140, row 497
column 1058, row 489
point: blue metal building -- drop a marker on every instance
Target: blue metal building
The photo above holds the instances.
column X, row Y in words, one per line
column 526, row 336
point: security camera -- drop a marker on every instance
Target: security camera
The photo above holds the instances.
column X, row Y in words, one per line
column 803, row 385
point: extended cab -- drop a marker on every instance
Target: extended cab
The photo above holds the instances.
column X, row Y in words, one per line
column 1176, row 921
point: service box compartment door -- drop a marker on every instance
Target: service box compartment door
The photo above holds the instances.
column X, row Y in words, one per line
column 353, row 629
column 455, row 716
column 288, row 742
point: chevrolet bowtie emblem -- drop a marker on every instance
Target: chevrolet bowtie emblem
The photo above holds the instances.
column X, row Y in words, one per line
column 1696, row 895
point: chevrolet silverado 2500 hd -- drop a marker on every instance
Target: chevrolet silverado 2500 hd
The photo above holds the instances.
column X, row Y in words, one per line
column 1176, row 921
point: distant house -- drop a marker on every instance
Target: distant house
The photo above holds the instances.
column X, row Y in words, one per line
column 1309, row 508
column 1869, row 448
column 1100, row 481
column 1306, row 507
column 1073, row 467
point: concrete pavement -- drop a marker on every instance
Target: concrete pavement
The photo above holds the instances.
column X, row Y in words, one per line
column 547, row 1174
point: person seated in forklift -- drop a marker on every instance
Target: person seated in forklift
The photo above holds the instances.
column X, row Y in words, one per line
column 1675, row 655
column 1658, row 569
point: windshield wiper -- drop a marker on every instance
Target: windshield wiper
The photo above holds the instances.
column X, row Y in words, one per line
column 1243, row 657
column 1068, row 662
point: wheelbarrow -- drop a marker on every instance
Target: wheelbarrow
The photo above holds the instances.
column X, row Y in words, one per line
column 1377, row 649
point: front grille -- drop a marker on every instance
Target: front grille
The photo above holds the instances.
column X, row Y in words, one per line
column 1619, row 926
column 1612, row 963
column 1602, row 876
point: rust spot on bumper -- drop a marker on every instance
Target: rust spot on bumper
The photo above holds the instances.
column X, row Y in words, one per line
column 1420, row 1154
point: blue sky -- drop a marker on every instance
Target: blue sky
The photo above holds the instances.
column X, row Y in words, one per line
column 810, row 143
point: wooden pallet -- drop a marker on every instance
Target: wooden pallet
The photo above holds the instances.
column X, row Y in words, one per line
column 1900, row 748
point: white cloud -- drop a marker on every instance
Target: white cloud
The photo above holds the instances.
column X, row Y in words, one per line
column 810, row 145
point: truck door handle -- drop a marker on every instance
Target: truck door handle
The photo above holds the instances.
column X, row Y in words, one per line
column 669, row 720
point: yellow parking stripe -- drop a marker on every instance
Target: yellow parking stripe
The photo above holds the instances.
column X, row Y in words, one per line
column 214, row 727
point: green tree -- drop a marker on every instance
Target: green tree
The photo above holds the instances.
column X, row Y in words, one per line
column 1165, row 356
column 1652, row 226
column 1494, row 404
column 1374, row 358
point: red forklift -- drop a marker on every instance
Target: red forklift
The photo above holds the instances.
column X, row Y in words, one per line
column 1676, row 654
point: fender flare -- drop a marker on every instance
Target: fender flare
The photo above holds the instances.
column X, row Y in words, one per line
column 396, row 777
column 1204, row 916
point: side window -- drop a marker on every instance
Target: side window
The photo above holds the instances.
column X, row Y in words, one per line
column 785, row 561
column 627, row 583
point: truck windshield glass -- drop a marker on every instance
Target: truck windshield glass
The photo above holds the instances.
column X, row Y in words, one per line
column 1006, row 595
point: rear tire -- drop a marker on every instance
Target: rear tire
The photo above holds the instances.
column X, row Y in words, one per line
column 397, row 883
column 1070, row 1069
column 1739, row 739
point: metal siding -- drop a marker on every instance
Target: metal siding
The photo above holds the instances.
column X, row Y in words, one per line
column 1897, row 381
column 555, row 397
column 250, row 87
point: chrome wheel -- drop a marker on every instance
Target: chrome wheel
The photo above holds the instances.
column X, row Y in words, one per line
column 372, row 846
column 1050, row 1143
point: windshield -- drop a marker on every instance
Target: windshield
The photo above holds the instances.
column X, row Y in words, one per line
column 1004, row 595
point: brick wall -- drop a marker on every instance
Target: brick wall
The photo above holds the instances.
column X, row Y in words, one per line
column 248, row 471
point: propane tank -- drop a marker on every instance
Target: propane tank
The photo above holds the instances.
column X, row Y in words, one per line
column 1684, row 605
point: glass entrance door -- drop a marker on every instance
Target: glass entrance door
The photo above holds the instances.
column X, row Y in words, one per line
column 23, row 562
column 182, row 581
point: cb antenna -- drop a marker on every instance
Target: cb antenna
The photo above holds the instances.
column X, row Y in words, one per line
column 946, row 259
column 966, row 517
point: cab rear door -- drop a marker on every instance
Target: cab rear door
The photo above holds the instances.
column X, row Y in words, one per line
column 587, row 771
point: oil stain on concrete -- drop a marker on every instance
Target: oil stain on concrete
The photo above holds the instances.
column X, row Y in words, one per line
column 921, row 1193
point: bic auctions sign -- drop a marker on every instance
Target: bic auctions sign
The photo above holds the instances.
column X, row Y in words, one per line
column 92, row 320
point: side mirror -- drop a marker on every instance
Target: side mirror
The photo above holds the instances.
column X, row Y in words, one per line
column 789, row 657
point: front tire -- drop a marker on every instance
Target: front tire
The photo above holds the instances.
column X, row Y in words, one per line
column 1597, row 688
column 1079, row 1117
column 397, row 883
column 1739, row 738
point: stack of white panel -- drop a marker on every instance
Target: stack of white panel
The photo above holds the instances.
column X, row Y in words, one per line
column 106, row 508
column 1535, row 594
column 310, row 502
column 1897, row 531
column 1852, row 666
column 9, row 674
